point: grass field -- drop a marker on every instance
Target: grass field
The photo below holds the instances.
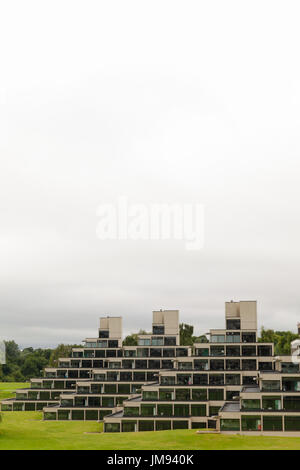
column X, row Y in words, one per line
column 26, row 430
column 7, row 389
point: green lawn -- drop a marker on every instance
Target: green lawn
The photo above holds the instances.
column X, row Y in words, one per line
column 26, row 430
column 7, row 389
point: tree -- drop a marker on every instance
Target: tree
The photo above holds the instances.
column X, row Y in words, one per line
column 186, row 334
column 281, row 339
column 132, row 340
column 62, row 350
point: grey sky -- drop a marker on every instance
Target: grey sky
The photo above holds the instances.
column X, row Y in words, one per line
column 160, row 101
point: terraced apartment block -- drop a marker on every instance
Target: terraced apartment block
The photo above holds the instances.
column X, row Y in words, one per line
column 230, row 383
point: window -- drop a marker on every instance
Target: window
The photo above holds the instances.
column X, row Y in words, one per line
column 112, row 427
column 125, row 376
column 198, row 410
column 150, row 395
column 144, row 341
column 200, row 379
column 231, row 394
column 131, row 410
column 251, row 404
column 154, row 364
column 184, row 379
column 152, row 376
column 292, row 423
column 233, row 338
column 217, row 364
column 170, row 341
column 164, row 410
column 216, row 379
column 91, row 415
column 272, row 423
column 99, row 353
column 233, row 364
column 167, row 364
column 77, row 415
column 248, row 350
column 166, row 394
column 289, row 367
column 249, row 337
column 162, row 425
column 146, row 425
column 127, row 363
column 158, row 329
column 265, row 365
column 249, row 380
column 101, row 377
column 111, row 376
column 167, row 380
column 94, row 402
column 264, row 350
column 181, row 410
column 48, row 416
column 108, row 402
column 248, row 364
column 271, row 403
column 168, row 352
column 201, row 364
column 213, row 411
column 203, row 352
column 19, row 407
column 182, row 394
column 103, row 413
column 199, row 394
column 181, row 352
column 147, row 410
column 80, row 401
column 103, row 333
column 230, row 424
column 185, row 365
column 234, row 324
column 110, row 388
column 63, row 415
column 123, row 388
column 217, row 338
column 140, row 364
column 113, row 343
column 129, row 353
column 291, row 403
column 233, row 379
column 128, row 426
column 180, row 424
column 6, row 407
column 270, row 385
column 290, row 384
column 215, row 394
column 155, row 352
column 157, row 341
column 142, row 352
column 251, row 423
column 29, row 407
column 217, row 351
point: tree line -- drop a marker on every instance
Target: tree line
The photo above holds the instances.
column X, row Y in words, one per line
column 21, row 365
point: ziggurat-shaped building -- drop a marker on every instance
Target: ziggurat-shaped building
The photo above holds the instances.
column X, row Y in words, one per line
column 231, row 383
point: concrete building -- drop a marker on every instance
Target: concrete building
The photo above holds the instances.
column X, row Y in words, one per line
column 232, row 383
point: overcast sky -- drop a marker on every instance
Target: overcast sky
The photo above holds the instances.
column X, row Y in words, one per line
column 161, row 102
